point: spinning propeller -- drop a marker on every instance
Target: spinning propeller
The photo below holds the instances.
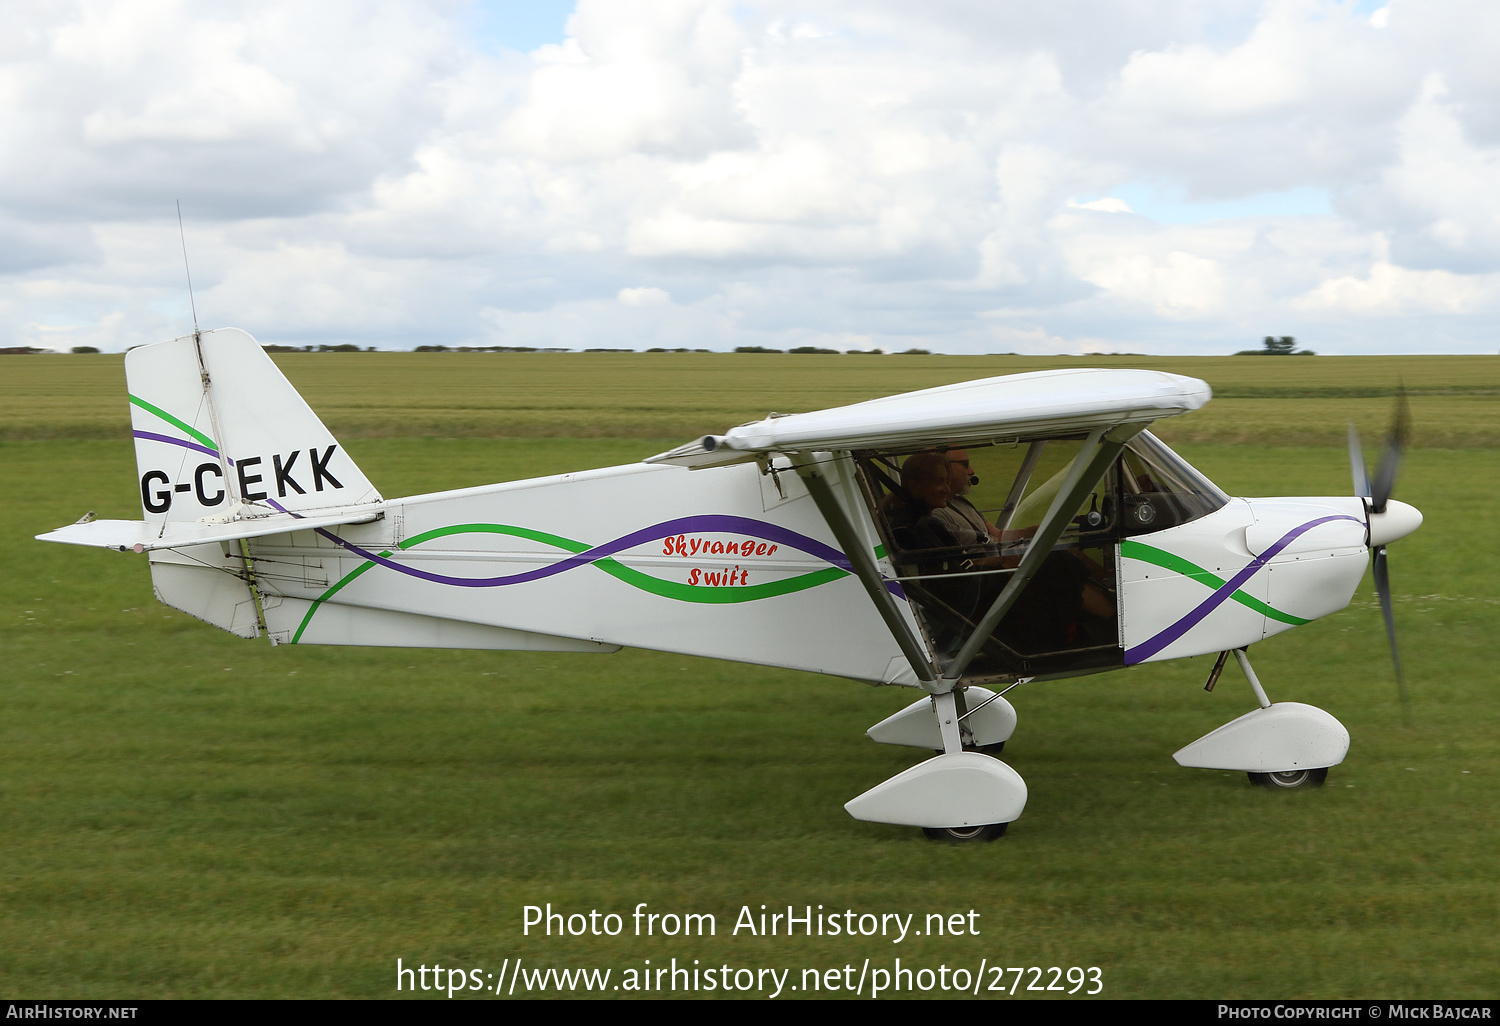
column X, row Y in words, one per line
column 1387, row 519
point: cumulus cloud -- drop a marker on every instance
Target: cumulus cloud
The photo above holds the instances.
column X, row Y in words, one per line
column 646, row 295
column 1388, row 290
column 847, row 174
column 1439, row 200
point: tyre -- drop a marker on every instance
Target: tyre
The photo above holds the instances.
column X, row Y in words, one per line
column 1291, row 778
column 966, row 834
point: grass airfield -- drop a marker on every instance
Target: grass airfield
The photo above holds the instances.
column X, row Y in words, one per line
column 191, row 815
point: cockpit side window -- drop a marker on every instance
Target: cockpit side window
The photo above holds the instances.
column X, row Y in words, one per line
column 1159, row 489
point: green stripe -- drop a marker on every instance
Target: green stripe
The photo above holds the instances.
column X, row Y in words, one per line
column 1171, row 561
column 555, row 540
column 708, row 594
column 164, row 415
column 351, row 575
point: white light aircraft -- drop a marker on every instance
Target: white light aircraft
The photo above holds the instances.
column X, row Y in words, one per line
column 832, row 541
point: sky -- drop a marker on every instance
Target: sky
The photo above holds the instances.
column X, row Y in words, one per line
column 1170, row 177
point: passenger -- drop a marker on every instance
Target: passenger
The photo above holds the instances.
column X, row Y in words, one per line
column 925, row 490
column 925, row 545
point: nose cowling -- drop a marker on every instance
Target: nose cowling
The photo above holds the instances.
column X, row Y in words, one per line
column 1398, row 521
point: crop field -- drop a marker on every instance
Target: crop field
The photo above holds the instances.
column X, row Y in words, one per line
column 186, row 814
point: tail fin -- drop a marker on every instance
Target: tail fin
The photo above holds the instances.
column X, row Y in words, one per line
column 221, row 434
column 227, row 450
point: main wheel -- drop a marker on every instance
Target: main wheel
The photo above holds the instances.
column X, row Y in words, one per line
column 966, row 834
column 1291, row 778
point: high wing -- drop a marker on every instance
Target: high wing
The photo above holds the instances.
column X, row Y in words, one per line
column 1015, row 406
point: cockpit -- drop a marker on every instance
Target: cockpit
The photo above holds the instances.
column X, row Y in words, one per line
column 957, row 522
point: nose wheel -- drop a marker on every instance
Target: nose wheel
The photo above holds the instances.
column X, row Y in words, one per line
column 966, row 834
column 1290, row 779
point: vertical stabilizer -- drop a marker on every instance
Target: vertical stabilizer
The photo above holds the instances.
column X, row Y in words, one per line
column 220, row 433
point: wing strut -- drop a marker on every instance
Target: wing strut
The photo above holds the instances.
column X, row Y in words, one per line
column 863, row 562
column 1087, row 468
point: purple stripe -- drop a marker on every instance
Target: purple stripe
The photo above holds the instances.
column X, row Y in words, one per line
column 1149, row 648
column 278, row 506
column 153, row 436
column 712, row 522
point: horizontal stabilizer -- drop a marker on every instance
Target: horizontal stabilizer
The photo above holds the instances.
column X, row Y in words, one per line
column 1015, row 406
column 139, row 536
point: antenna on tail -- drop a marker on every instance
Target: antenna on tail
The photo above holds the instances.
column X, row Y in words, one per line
column 183, row 235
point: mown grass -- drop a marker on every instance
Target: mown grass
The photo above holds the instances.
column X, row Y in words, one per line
column 1273, row 401
column 190, row 815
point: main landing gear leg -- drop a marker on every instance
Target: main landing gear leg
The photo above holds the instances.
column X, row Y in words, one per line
column 956, row 796
column 946, row 708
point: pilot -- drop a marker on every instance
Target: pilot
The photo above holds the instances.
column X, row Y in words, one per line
column 978, row 536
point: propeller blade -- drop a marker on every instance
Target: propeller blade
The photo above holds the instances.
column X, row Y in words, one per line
column 1390, row 460
column 1383, row 590
column 1357, row 465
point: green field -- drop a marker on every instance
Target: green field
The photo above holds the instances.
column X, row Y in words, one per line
column 190, row 815
column 676, row 396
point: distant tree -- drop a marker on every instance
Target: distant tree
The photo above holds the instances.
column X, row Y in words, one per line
column 84, row 349
column 814, row 349
column 914, row 352
column 1286, row 345
column 755, row 349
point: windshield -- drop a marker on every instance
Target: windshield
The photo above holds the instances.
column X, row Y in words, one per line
column 1160, row 489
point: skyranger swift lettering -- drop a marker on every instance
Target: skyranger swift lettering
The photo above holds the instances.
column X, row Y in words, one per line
column 959, row 540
